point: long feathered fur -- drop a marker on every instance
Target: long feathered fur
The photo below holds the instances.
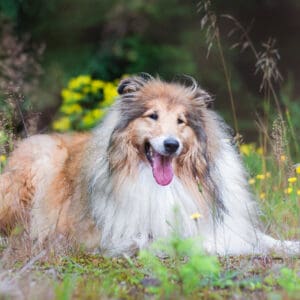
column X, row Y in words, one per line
column 99, row 189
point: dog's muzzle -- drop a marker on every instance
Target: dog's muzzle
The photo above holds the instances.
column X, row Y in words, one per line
column 171, row 145
column 160, row 152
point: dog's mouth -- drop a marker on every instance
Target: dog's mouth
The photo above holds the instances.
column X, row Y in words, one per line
column 161, row 165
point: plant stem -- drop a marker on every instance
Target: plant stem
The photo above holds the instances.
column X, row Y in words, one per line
column 227, row 77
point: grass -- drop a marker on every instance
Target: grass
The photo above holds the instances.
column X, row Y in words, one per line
column 185, row 273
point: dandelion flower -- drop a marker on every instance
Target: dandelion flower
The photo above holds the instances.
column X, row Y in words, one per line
column 251, row 181
column 282, row 157
column 298, row 192
column 246, row 149
column 298, row 169
column 2, row 158
column 195, row 216
column 292, row 179
column 261, row 176
column 288, row 191
column 262, row 196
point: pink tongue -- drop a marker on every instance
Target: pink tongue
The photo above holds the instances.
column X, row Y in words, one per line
column 162, row 169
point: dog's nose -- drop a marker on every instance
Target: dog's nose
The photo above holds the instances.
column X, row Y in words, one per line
column 171, row 145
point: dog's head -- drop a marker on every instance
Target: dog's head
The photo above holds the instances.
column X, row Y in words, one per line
column 162, row 123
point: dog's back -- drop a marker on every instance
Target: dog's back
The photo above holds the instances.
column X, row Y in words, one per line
column 41, row 168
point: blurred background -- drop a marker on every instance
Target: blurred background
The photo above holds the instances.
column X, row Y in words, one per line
column 44, row 44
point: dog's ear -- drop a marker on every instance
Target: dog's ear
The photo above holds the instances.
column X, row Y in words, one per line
column 133, row 84
column 198, row 94
column 204, row 97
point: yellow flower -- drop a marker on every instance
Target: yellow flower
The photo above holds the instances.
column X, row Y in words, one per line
column 298, row 169
column 260, row 151
column 292, row 179
column 92, row 117
column 70, row 96
column 262, row 196
column 96, row 85
column 62, row 124
column 110, row 93
column 88, row 120
column 86, row 89
column 195, row 216
column 77, row 82
column 84, row 79
column 298, row 192
column 71, row 109
column 288, row 191
column 2, row 158
column 260, row 176
column 251, row 181
column 282, row 157
column 74, row 84
column 246, row 149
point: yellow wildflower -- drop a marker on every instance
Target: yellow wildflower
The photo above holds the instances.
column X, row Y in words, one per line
column 77, row 82
column 70, row 96
column 110, row 93
column 62, row 124
column 71, row 109
column 260, row 151
column 246, row 149
column 86, row 89
column 292, row 179
column 97, row 113
column 251, row 181
column 298, row 169
column 288, row 191
column 282, row 157
column 261, row 176
column 262, row 196
column 2, row 158
column 96, row 85
column 88, row 120
column 84, row 79
column 92, row 117
column 195, row 216
column 298, row 192
column 74, row 84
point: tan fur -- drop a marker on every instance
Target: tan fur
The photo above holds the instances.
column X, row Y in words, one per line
column 84, row 186
column 42, row 178
column 46, row 167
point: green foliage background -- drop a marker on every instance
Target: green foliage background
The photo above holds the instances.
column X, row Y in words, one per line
column 107, row 39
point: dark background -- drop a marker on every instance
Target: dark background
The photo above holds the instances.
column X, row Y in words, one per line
column 110, row 38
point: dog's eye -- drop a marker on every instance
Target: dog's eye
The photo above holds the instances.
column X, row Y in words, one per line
column 154, row 116
column 180, row 121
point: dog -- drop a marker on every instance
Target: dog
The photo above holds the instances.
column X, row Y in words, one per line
column 161, row 161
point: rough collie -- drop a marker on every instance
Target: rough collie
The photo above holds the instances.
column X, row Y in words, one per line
column 161, row 161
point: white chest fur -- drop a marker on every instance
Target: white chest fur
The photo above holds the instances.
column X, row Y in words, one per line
column 142, row 211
